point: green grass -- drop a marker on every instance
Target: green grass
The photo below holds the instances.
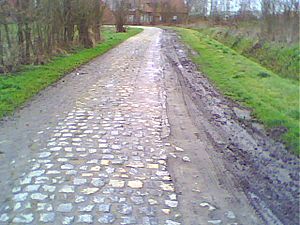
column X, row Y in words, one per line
column 15, row 89
column 282, row 59
column 274, row 100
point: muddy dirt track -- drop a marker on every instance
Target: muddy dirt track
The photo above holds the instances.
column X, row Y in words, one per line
column 138, row 136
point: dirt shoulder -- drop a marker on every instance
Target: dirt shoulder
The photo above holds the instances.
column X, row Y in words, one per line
column 231, row 154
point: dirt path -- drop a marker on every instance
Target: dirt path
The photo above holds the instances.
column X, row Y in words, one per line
column 245, row 162
column 116, row 142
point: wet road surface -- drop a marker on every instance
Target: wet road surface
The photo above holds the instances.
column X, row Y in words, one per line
column 94, row 149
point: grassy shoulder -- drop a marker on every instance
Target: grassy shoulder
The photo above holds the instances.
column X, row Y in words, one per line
column 282, row 59
column 15, row 89
column 274, row 100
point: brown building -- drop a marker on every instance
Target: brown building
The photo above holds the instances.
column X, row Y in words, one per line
column 108, row 17
column 151, row 12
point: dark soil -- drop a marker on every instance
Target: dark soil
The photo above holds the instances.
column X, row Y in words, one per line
column 266, row 171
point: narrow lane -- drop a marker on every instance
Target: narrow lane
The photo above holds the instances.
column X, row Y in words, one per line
column 97, row 148
column 104, row 161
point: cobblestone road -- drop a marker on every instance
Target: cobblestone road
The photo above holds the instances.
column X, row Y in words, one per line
column 105, row 161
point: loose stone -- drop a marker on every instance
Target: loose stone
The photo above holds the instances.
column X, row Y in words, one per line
column 125, row 209
column 137, row 200
column 166, row 211
column 89, row 191
column 152, row 202
column 136, row 165
column 26, row 180
column 116, row 147
column 44, row 207
column 172, row 204
column 149, row 221
column 103, row 145
column 110, row 170
column 17, row 206
column 179, row 149
column 128, row 220
column 68, row 220
column 32, row 188
column 47, row 217
column 105, row 162
column 20, row 197
column 4, row 217
column 55, row 149
column 186, row 159
column 210, row 207
column 135, row 184
column 98, row 182
column 117, row 183
column 171, row 222
column 67, row 189
column 16, row 189
column 99, row 199
column 148, row 211
column 107, row 218
column 79, row 181
column 104, row 208
column 38, row 196
column 95, row 168
column 85, row 219
column 153, row 166
column 36, row 173
column 230, row 215
column 79, row 199
column 87, row 208
column 215, row 221
column 167, row 187
column 65, row 207
column 67, row 167
column 24, row 218
column 173, row 197
column 44, row 155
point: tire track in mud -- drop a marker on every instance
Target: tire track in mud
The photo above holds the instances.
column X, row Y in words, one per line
column 262, row 167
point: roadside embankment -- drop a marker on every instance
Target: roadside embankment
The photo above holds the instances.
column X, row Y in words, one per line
column 274, row 100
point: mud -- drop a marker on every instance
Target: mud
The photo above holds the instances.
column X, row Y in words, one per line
column 262, row 167
column 224, row 167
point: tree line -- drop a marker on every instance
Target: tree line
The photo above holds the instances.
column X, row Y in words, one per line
column 31, row 31
column 278, row 19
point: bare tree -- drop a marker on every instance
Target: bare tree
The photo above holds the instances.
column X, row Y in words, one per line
column 121, row 12
column 31, row 31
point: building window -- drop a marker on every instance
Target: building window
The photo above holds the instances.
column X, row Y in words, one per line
column 175, row 18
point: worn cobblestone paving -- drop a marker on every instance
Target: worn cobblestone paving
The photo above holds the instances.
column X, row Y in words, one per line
column 105, row 161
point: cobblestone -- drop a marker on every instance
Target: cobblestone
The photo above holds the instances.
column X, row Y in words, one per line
column 65, row 207
column 47, row 217
column 107, row 218
column 105, row 161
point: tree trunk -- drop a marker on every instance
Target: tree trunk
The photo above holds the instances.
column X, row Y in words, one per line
column 28, row 43
column 68, row 20
column 1, row 52
column 21, row 44
column 7, row 35
column 84, row 36
column 97, row 23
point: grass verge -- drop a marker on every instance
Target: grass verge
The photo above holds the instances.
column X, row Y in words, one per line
column 16, row 89
column 274, row 100
column 281, row 58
